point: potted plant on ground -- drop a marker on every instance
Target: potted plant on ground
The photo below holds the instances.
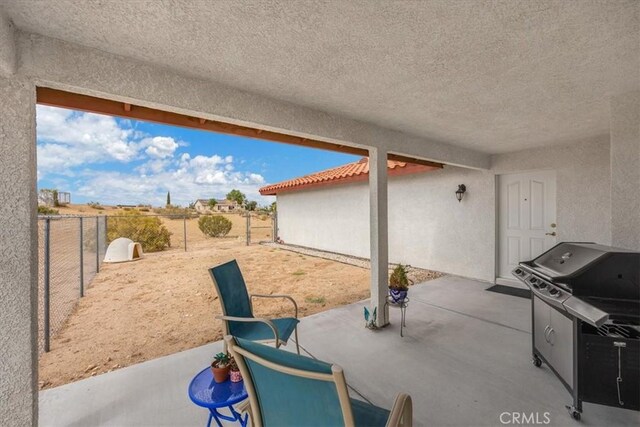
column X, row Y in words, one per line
column 399, row 284
column 220, row 367
column 234, row 372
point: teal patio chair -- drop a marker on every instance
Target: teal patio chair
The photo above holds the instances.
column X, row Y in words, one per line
column 237, row 310
column 286, row 389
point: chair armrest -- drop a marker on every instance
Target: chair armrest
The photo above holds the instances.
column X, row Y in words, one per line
column 295, row 306
column 268, row 322
column 401, row 412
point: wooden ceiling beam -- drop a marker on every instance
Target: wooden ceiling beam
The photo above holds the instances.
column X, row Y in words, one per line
column 59, row 98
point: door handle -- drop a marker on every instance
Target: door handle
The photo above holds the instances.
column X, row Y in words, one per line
column 553, row 233
column 545, row 333
column 552, row 331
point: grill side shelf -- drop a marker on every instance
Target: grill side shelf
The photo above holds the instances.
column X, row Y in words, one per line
column 585, row 311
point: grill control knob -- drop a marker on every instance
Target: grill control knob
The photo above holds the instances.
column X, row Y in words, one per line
column 542, row 285
column 534, row 280
column 554, row 292
column 518, row 271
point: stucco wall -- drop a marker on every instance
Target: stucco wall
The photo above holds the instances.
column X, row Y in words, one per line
column 333, row 219
column 76, row 68
column 429, row 228
column 625, row 171
column 8, row 46
column 583, row 177
column 18, row 254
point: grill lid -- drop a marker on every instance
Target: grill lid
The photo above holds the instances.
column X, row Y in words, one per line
column 570, row 259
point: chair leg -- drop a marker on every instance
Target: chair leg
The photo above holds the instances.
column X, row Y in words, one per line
column 297, row 341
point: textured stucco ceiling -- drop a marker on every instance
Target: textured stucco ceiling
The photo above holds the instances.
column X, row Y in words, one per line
column 491, row 76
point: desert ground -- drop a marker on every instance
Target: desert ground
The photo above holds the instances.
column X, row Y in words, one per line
column 165, row 302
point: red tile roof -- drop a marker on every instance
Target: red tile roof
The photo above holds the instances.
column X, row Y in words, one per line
column 351, row 172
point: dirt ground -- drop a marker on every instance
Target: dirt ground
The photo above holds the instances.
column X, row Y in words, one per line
column 166, row 303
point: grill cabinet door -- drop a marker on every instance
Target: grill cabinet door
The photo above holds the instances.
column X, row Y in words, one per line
column 541, row 325
column 561, row 340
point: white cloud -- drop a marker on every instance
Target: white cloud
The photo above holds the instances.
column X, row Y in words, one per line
column 67, row 139
column 72, row 144
column 187, row 179
column 159, row 147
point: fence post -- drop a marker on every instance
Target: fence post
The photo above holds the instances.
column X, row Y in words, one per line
column 275, row 227
column 97, row 244
column 81, row 259
column 184, row 219
column 47, row 259
column 248, row 228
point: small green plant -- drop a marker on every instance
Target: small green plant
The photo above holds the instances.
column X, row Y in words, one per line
column 399, row 280
column 221, row 360
column 316, row 300
column 298, row 273
column 46, row 210
column 214, row 225
column 95, row 205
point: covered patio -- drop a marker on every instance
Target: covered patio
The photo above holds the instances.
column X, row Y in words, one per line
column 487, row 89
column 465, row 358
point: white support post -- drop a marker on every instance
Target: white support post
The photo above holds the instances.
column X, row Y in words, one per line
column 379, row 239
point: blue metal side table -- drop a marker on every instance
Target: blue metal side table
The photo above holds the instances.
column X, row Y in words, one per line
column 402, row 305
column 205, row 392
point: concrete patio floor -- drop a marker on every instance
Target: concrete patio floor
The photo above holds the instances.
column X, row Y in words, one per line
column 465, row 360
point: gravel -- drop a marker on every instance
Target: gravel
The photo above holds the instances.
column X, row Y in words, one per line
column 415, row 274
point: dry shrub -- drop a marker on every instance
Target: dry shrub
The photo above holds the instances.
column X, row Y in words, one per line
column 214, row 225
column 146, row 230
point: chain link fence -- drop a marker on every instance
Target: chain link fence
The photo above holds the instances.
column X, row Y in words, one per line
column 71, row 250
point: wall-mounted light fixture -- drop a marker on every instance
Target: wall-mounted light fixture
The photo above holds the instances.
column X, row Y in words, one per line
column 460, row 192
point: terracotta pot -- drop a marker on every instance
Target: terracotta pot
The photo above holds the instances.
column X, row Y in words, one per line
column 236, row 376
column 220, row 374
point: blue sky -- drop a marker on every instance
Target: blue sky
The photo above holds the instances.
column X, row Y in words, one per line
column 111, row 160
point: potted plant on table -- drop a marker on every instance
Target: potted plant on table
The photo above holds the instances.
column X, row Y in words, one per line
column 399, row 284
column 220, row 367
column 234, row 371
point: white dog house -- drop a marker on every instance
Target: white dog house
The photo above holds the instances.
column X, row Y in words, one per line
column 122, row 250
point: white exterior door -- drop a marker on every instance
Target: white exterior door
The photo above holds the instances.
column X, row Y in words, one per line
column 526, row 218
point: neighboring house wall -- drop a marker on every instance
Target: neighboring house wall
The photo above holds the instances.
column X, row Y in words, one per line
column 429, row 228
column 201, row 207
column 225, row 207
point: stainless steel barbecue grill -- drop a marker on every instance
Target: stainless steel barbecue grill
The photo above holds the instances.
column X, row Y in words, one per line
column 586, row 321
